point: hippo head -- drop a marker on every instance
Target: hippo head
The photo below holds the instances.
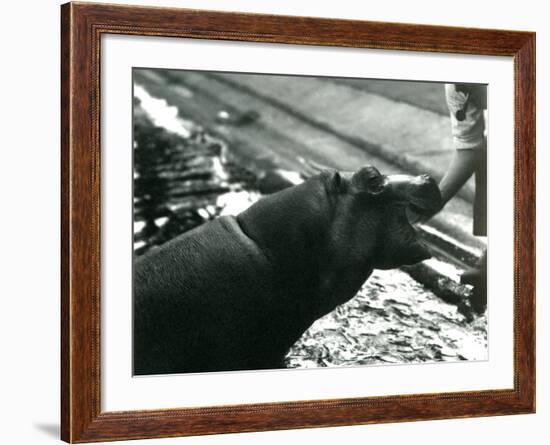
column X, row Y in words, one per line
column 373, row 207
column 330, row 232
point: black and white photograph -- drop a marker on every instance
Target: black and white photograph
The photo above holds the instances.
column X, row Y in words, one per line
column 284, row 221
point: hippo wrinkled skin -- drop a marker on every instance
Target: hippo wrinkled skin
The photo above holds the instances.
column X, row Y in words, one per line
column 237, row 292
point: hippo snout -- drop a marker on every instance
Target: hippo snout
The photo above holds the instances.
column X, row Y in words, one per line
column 425, row 196
column 421, row 193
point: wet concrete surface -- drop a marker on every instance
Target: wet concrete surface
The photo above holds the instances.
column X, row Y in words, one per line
column 392, row 319
column 183, row 180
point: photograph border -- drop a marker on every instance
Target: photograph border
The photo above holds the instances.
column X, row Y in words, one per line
column 82, row 25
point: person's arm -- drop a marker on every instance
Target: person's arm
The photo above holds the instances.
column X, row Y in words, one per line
column 467, row 128
column 460, row 169
column 466, row 105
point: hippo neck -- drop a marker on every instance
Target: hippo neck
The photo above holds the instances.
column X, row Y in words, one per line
column 287, row 228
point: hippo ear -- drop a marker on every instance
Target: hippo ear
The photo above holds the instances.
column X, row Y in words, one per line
column 368, row 179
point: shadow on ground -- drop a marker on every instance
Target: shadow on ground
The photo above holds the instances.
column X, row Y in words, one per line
column 49, row 429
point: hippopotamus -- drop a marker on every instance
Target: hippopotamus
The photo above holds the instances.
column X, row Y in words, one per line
column 237, row 292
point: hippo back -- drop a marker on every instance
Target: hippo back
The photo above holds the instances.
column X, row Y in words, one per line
column 208, row 301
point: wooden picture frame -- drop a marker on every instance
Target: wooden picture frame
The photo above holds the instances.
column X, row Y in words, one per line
column 82, row 25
